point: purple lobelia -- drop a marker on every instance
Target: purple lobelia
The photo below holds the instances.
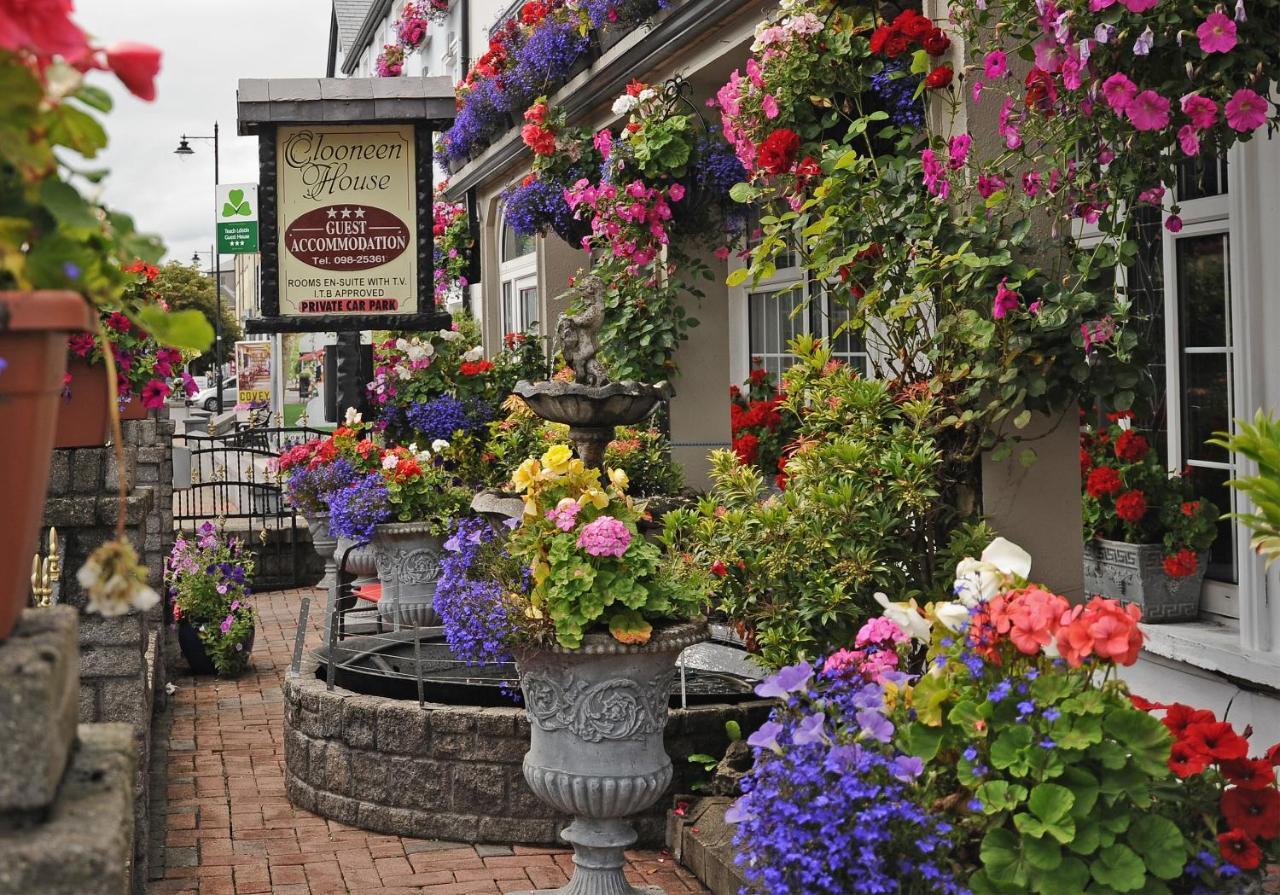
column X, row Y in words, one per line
column 476, row 618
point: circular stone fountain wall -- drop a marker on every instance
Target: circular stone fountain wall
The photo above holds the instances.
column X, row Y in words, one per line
column 452, row 771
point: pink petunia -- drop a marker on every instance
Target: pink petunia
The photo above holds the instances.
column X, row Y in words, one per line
column 1139, row 5
column 1246, row 111
column 1202, row 111
column 1217, row 33
column 1119, row 91
column 1189, row 140
column 770, row 106
column 995, row 65
column 1006, row 300
column 1149, row 111
column 958, row 150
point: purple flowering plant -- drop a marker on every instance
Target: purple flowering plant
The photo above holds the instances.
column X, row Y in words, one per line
column 590, row 568
column 478, row 593
column 207, row 576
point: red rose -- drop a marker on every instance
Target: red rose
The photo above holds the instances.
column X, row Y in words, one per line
column 1042, row 92
column 1181, row 564
column 896, row 45
column 808, row 167
column 1216, row 739
column 912, row 25
column 1103, row 481
column 1131, row 506
column 136, row 65
column 1131, row 446
column 936, row 43
column 1250, row 773
column 745, row 446
column 777, row 153
column 938, row 78
column 1253, row 811
column 718, row 569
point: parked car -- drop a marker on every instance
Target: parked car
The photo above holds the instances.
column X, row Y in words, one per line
column 208, row 397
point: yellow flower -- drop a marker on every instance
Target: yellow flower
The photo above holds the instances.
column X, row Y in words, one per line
column 556, row 459
column 541, row 571
column 530, row 508
column 526, row 474
column 619, row 479
column 595, row 497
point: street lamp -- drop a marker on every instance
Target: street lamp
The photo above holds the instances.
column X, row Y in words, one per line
column 184, row 149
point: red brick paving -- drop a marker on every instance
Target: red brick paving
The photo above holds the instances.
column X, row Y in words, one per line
column 231, row 831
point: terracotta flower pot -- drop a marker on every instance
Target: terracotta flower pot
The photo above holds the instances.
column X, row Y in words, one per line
column 33, row 344
column 84, row 418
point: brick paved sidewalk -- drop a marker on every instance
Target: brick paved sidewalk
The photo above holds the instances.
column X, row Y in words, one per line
column 228, row 827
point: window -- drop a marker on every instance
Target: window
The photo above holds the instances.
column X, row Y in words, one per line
column 519, row 273
column 778, row 310
column 1181, row 284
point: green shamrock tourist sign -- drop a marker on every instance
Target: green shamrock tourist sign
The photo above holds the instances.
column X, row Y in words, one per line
column 236, row 208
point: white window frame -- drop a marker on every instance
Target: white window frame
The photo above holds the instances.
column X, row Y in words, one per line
column 516, row 275
column 741, row 355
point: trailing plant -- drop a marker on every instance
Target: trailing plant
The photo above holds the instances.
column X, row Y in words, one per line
column 1129, row 495
column 208, row 580
column 452, row 247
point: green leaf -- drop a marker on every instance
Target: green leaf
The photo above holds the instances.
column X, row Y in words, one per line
column 1144, row 736
column 737, row 277
column 1050, row 802
column 76, row 130
column 743, row 192
column 921, row 741
column 1021, row 420
column 67, row 205
column 1068, row 878
column 1120, row 868
column 1028, row 457
column 1011, row 751
column 1002, row 857
column 94, row 97
column 178, row 329
column 1042, row 854
column 1160, row 843
column 999, row 795
column 629, row 626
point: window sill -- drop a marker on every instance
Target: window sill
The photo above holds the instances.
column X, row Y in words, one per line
column 1215, row 647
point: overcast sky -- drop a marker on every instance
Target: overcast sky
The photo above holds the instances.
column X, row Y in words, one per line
column 207, row 46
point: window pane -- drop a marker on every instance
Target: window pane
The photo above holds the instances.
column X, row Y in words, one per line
column 1206, row 404
column 1211, row 484
column 528, row 306
column 846, row 346
column 774, row 319
column 1203, row 290
column 1145, row 287
column 508, row 310
column 1201, row 177
column 516, row 246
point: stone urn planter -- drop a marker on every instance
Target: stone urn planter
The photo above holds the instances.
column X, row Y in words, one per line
column 1134, row 573
column 597, row 716
column 33, row 343
column 324, row 544
column 407, row 556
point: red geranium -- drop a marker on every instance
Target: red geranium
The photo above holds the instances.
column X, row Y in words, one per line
column 475, row 367
column 1181, row 564
column 719, row 569
column 940, row 77
column 1086, row 463
column 1103, row 481
column 936, row 43
column 1131, row 446
column 1253, row 811
column 912, row 25
column 1216, row 739
column 1131, row 506
column 1238, row 849
column 745, row 447
column 539, row 139
column 777, row 153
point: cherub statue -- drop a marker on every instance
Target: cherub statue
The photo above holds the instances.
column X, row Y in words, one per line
column 577, row 334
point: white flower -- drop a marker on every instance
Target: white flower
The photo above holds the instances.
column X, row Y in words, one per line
column 952, row 616
column 439, row 445
column 647, row 94
column 353, row 417
column 390, row 461
column 450, row 335
column 1124, row 423
column 906, row 616
column 419, row 350
column 624, row 104
column 114, row 581
column 474, row 355
column 170, row 687
column 978, row 580
column 403, row 372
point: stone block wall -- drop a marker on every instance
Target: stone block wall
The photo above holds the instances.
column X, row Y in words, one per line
column 122, row 658
column 450, row 772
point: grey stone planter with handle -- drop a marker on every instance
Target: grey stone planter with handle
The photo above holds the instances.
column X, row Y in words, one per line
column 597, row 716
column 1134, row 573
column 407, row 556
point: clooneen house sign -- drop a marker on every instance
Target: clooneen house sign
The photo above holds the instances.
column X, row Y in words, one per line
column 347, row 220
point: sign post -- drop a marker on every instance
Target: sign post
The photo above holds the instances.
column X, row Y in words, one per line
column 236, row 209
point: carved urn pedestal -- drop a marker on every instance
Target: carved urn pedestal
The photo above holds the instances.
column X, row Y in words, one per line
column 407, row 556
column 597, row 716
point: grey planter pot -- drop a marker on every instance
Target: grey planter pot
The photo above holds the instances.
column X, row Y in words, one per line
column 1134, row 573
column 597, row 716
column 324, row 544
column 407, row 556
